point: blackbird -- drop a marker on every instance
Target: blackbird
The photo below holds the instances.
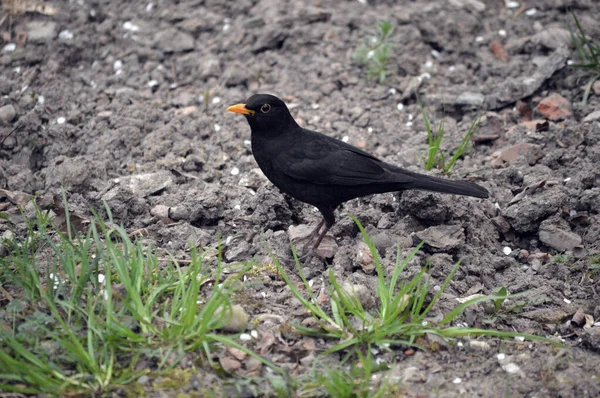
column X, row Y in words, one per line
column 323, row 171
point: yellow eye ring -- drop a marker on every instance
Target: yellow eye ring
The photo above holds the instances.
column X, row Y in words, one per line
column 265, row 108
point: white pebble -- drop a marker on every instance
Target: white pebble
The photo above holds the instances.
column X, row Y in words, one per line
column 392, row 91
column 254, row 333
column 345, row 138
column 245, row 337
column 101, row 279
column 237, row 207
column 41, row 99
column 437, row 288
column 61, row 120
column 117, row 65
column 512, row 4
column 501, row 357
column 152, row 83
column 408, row 124
column 217, row 128
column 502, row 32
column 130, row 26
column 566, row 300
column 247, row 142
column 362, row 1
column 570, row 62
column 65, row 35
column 511, row 367
column 519, row 339
column 457, row 380
column 425, row 76
column 149, row 7
column 315, row 106
column 400, row 106
column 228, row 240
column 226, row 27
column 410, row 116
column 370, row 54
column 17, row 69
column 507, row 250
column 9, row 47
column 429, row 64
column 479, row 39
column 369, row 130
column 216, row 100
column 459, row 344
column 235, row 171
column 531, row 12
column 567, row 179
column 451, row 68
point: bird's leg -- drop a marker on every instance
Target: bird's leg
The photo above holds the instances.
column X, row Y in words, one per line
column 314, row 233
column 313, row 249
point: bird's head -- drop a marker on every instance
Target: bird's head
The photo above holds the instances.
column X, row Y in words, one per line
column 265, row 114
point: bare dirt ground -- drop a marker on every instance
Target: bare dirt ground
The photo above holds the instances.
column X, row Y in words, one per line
column 106, row 91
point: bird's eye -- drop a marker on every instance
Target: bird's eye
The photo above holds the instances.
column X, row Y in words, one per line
column 265, row 108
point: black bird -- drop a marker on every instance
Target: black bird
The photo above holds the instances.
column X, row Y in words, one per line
column 323, row 171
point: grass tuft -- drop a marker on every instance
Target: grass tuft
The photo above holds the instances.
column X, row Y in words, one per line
column 96, row 305
column 375, row 52
column 438, row 157
column 589, row 54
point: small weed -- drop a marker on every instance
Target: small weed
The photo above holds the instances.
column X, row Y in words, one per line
column 98, row 304
column 438, row 157
column 589, row 55
column 375, row 52
column 562, row 258
column 400, row 316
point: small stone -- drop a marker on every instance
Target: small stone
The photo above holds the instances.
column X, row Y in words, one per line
column 596, row 87
column 479, row 345
column 470, row 98
column 235, row 319
column 161, row 211
column 507, row 250
column 442, row 238
column 7, row 113
column 361, row 292
column 143, row 380
column 531, row 152
column 237, row 353
column 592, row 117
column 229, row 364
column 364, row 258
column 41, row 31
column 10, row 47
column 558, row 238
column 555, row 107
column 553, row 38
column 173, row 40
column 65, row 35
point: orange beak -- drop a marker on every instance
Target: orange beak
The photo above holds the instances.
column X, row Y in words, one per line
column 241, row 108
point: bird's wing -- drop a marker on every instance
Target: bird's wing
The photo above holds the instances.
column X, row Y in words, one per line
column 324, row 160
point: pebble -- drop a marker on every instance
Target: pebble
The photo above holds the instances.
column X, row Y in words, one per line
column 245, row 337
column 236, row 318
column 9, row 47
column 65, row 35
column 555, row 107
column 592, row 117
column 502, row 32
column 400, row 106
column 531, row 12
column 458, row 380
column 117, row 65
column 61, row 120
column 216, row 100
column 7, row 113
column 507, row 250
column 235, row 171
column 41, row 31
column 128, row 25
column 558, row 238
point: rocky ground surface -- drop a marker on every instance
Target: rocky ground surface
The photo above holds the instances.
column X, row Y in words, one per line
column 124, row 102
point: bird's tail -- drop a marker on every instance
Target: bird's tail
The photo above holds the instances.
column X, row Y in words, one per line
column 428, row 183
